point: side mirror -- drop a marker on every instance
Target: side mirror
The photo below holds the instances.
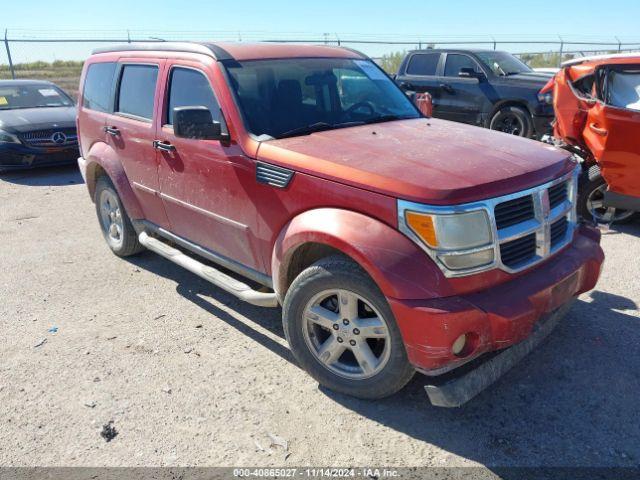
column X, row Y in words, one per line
column 196, row 123
column 468, row 72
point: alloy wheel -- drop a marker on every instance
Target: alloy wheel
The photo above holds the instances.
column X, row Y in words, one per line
column 510, row 124
column 346, row 334
column 602, row 214
column 111, row 217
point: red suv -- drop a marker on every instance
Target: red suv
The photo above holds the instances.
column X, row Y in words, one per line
column 302, row 176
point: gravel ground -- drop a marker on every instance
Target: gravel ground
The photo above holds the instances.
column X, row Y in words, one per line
column 188, row 375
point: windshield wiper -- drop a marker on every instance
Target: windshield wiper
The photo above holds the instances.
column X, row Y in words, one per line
column 306, row 129
column 316, row 127
column 387, row 118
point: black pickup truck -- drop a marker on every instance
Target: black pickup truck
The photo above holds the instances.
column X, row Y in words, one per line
column 488, row 88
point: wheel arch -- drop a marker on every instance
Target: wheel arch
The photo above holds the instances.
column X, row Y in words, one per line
column 103, row 161
column 395, row 263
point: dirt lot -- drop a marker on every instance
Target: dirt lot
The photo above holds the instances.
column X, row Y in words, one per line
column 190, row 376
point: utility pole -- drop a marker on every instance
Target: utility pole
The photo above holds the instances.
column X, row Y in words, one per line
column 6, row 44
column 561, row 51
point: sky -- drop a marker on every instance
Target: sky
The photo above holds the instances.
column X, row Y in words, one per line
column 260, row 19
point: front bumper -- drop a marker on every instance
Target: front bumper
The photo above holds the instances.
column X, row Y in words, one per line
column 458, row 391
column 500, row 316
column 21, row 157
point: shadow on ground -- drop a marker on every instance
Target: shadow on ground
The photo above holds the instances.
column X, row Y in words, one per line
column 44, row 177
column 572, row 402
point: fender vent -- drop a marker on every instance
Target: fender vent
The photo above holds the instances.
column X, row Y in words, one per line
column 272, row 175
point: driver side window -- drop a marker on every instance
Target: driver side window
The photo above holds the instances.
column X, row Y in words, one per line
column 456, row 61
column 190, row 88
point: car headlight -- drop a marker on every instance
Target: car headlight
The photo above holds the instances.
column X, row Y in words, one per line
column 458, row 242
column 6, row 137
column 546, row 98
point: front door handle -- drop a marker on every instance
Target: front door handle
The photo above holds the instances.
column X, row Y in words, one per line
column 597, row 130
column 447, row 88
column 163, row 146
column 406, row 86
column 113, row 131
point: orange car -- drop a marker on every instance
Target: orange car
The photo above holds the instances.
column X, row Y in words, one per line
column 597, row 108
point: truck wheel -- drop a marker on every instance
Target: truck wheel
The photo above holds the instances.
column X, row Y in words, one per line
column 114, row 221
column 512, row 120
column 591, row 188
column 342, row 331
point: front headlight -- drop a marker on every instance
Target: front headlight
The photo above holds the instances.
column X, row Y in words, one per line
column 6, row 137
column 546, row 98
column 458, row 242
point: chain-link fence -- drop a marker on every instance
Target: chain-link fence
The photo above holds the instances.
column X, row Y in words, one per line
column 58, row 56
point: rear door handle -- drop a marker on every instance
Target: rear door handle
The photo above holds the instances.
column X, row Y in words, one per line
column 163, row 146
column 597, row 130
column 447, row 88
column 112, row 131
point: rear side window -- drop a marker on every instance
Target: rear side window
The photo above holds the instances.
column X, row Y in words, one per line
column 190, row 88
column 137, row 90
column 423, row 64
column 455, row 62
column 97, row 86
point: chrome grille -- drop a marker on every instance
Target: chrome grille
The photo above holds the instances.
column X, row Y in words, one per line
column 558, row 194
column 45, row 138
column 549, row 227
column 514, row 211
column 518, row 251
column 558, row 231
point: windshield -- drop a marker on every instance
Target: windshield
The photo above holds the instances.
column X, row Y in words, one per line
column 32, row 96
column 289, row 97
column 503, row 63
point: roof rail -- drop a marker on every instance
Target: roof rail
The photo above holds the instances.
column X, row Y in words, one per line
column 210, row 49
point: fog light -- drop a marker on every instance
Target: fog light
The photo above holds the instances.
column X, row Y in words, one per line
column 458, row 346
column 467, row 260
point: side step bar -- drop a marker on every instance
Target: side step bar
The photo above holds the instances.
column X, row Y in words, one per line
column 221, row 280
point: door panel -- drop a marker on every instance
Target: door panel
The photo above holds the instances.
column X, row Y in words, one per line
column 421, row 76
column 611, row 134
column 132, row 135
column 570, row 109
column 95, row 103
column 206, row 186
column 461, row 98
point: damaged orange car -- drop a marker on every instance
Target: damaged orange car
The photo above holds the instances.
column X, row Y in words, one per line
column 597, row 107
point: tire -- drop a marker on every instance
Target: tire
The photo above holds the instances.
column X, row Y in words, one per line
column 114, row 222
column 591, row 188
column 512, row 120
column 325, row 281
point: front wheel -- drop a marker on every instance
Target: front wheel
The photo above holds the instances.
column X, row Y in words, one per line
column 342, row 331
column 512, row 120
column 591, row 190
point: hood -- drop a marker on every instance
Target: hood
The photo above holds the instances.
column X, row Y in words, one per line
column 21, row 120
column 422, row 160
column 529, row 78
